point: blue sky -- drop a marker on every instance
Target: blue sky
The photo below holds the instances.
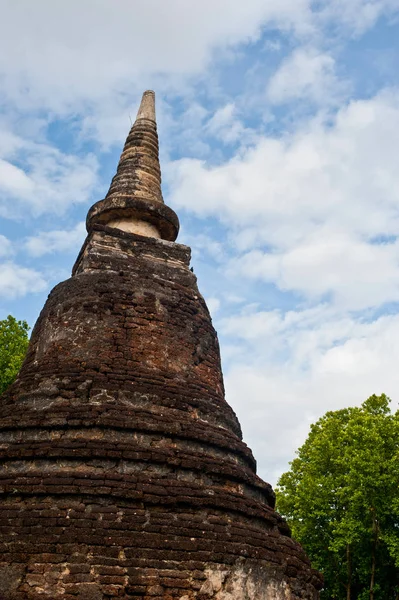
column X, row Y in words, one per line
column 279, row 129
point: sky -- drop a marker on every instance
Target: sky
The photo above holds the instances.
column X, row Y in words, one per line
column 279, row 135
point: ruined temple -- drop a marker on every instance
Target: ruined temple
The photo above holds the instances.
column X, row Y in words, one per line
column 124, row 474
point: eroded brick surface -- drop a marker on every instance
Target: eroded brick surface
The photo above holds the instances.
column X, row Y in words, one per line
column 125, row 474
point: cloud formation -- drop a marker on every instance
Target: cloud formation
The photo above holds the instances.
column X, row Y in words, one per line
column 5, row 246
column 314, row 214
column 87, row 51
column 293, row 367
column 307, row 209
column 59, row 240
column 46, row 180
column 307, row 74
column 17, row 281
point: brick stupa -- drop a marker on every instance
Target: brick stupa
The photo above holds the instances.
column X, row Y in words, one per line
column 124, row 474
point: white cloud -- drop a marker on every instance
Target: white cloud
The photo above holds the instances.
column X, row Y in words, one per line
column 204, row 245
column 227, row 127
column 317, row 199
column 307, row 74
column 87, row 50
column 17, row 281
column 10, row 143
column 356, row 274
column 14, row 181
column 5, row 246
column 213, row 305
column 315, row 212
column 358, row 15
column 48, row 242
column 47, row 181
column 291, row 368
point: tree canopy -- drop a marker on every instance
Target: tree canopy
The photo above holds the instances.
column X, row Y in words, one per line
column 340, row 498
column 13, row 345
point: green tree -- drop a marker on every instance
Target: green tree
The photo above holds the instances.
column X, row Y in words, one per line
column 13, row 345
column 340, row 498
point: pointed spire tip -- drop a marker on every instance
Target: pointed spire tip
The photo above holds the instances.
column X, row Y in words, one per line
column 147, row 106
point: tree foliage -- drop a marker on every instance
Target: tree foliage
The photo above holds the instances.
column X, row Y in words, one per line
column 13, row 345
column 340, row 498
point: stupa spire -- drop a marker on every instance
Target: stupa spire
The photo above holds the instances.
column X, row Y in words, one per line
column 147, row 107
column 134, row 201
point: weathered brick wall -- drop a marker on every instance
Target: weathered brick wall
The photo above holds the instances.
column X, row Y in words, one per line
column 125, row 475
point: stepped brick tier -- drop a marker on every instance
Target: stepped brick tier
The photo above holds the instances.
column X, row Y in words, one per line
column 124, row 471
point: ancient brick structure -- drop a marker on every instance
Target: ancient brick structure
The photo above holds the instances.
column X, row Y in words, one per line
column 124, row 473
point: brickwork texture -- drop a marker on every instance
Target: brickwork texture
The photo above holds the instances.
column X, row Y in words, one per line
column 124, row 474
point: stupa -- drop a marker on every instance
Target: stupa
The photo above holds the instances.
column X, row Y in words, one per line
column 124, row 474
